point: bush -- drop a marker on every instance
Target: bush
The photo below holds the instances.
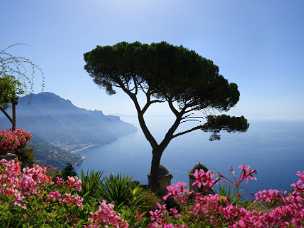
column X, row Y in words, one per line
column 11, row 141
column 91, row 184
column 31, row 198
column 123, row 191
column 68, row 170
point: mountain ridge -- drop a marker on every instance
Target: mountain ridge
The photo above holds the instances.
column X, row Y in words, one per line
column 60, row 123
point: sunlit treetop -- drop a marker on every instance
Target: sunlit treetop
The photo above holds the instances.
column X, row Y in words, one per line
column 191, row 86
column 166, row 72
column 188, row 82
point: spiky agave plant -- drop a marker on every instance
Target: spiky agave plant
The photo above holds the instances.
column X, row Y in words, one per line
column 91, row 184
column 123, row 191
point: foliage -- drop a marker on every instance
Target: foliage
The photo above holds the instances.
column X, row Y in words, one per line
column 10, row 89
column 171, row 72
column 188, row 83
column 91, row 184
column 123, row 191
column 271, row 208
column 117, row 189
column 224, row 122
column 16, row 75
column 11, row 141
column 68, row 170
column 31, row 198
column 25, row 156
column 37, row 200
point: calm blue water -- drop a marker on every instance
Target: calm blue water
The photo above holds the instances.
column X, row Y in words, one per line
column 275, row 149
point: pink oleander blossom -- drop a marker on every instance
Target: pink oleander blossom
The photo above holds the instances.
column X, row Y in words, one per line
column 72, row 200
column 28, row 185
column 19, row 200
column 74, row 183
column 13, row 140
column 38, row 173
column 54, row 196
column 170, row 225
column 174, row 226
column 20, row 188
column 107, row 216
column 59, row 181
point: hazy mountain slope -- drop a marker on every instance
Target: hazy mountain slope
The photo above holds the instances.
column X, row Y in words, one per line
column 49, row 154
column 58, row 122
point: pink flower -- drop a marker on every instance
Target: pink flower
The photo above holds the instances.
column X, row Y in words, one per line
column 106, row 216
column 174, row 212
column 157, row 215
column 38, row 173
column 203, row 178
column 204, row 205
column 28, row 184
column 74, row 183
column 59, row 180
column 11, row 168
column 19, row 200
column 72, row 200
column 174, row 226
column 13, row 140
column 178, row 191
column 298, row 186
column 247, row 173
column 300, row 174
column 269, row 195
column 54, row 196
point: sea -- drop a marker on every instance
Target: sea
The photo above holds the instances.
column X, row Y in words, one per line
column 274, row 148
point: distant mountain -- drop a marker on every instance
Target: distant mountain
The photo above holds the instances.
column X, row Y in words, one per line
column 59, row 123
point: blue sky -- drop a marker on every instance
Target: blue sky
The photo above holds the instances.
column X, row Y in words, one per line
column 257, row 44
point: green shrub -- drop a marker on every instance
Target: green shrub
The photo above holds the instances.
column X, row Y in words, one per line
column 91, row 184
column 123, row 191
column 68, row 170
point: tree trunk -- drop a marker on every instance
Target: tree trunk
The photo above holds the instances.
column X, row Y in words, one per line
column 154, row 172
column 14, row 115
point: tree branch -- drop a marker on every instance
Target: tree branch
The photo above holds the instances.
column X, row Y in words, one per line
column 191, row 110
column 169, row 135
column 173, row 109
column 188, row 131
column 147, row 105
column 135, row 85
column 140, row 116
column 187, row 120
column 7, row 115
column 193, row 117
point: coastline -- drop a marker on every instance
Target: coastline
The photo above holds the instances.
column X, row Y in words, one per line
column 85, row 147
